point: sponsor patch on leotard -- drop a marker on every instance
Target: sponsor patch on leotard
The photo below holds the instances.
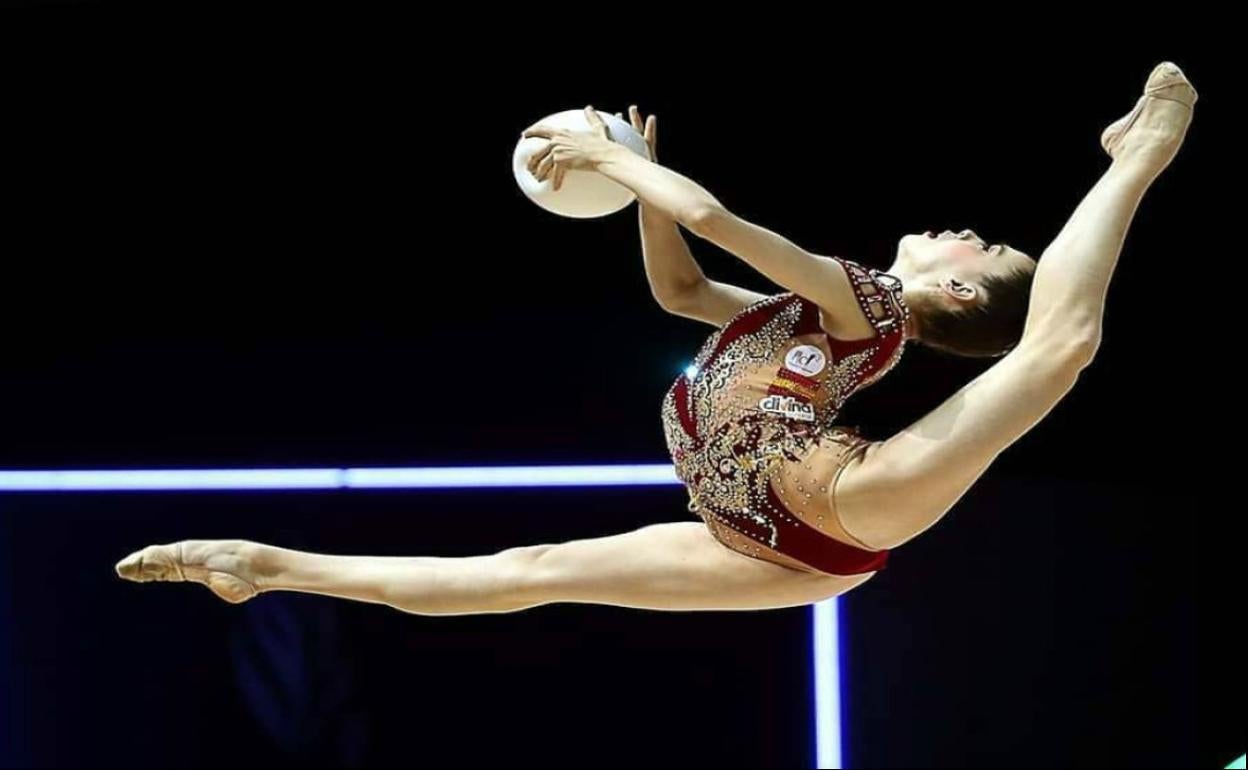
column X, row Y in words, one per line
column 788, row 406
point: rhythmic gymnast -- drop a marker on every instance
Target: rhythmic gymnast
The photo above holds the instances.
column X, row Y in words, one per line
column 795, row 509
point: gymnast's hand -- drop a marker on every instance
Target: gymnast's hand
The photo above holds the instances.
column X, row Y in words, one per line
column 647, row 128
column 569, row 150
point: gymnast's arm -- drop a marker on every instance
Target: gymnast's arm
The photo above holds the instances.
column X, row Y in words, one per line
column 676, row 280
column 819, row 279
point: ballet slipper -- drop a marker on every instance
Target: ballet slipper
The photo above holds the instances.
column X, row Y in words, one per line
column 222, row 573
column 1167, row 82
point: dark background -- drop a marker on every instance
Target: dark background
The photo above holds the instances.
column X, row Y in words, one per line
column 289, row 239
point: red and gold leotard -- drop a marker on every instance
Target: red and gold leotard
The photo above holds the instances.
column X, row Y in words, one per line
column 751, row 424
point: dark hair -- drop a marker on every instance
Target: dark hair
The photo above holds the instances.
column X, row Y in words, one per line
column 990, row 328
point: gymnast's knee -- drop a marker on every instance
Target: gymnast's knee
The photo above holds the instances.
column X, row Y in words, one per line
column 523, row 572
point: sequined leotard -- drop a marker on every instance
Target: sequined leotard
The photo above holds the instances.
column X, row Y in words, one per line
column 751, row 424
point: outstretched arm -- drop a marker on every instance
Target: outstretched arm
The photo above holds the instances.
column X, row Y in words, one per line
column 903, row 485
column 820, row 279
column 676, row 280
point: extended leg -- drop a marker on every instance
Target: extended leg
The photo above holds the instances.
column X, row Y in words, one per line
column 677, row 566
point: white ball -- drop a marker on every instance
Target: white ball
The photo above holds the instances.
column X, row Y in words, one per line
column 584, row 194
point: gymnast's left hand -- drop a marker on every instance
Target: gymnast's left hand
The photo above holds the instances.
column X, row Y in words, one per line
column 568, row 150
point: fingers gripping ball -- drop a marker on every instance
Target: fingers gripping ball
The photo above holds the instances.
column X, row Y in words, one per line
column 584, row 194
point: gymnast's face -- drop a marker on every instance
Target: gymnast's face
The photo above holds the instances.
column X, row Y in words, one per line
column 955, row 265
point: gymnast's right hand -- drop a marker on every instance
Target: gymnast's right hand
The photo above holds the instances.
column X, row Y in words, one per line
column 647, row 128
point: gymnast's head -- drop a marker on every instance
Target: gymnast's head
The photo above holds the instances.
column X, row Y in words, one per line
column 966, row 297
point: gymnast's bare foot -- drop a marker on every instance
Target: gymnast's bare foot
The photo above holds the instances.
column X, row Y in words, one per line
column 233, row 569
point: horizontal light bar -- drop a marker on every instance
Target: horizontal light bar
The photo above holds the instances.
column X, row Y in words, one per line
column 825, row 638
column 512, row 476
column 463, row 477
column 85, row 481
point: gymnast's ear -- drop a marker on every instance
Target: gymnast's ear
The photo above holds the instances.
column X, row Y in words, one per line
column 963, row 293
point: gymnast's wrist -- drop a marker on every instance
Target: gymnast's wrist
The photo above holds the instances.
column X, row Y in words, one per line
column 609, row 154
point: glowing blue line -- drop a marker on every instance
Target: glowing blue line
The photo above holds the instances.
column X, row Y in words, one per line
column 512, row 476
column 169, row 480
column 824, row 621
column 464, row 477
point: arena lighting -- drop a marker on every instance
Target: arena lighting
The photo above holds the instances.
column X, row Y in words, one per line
column 824, row 616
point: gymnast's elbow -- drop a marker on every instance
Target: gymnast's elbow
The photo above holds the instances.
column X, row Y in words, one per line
column 705, row 220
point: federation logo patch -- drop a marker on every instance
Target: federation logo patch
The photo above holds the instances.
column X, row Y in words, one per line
column 805, row 359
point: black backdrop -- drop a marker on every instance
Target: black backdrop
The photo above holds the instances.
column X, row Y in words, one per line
column 280, row 240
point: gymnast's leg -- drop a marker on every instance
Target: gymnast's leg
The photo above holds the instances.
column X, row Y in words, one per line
column 674, row 566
